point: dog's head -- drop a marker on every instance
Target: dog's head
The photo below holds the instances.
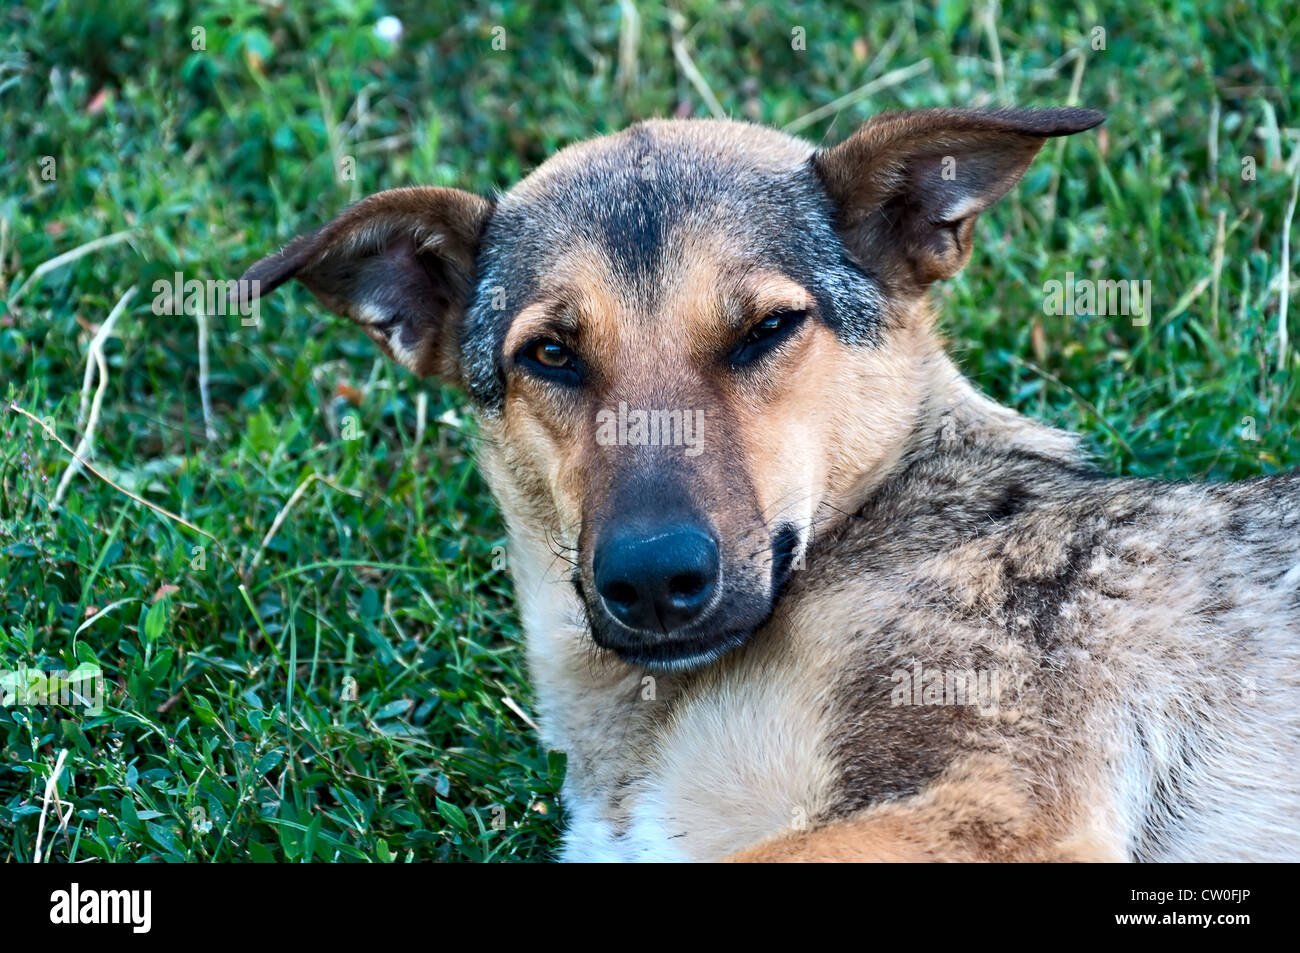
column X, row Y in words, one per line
column 685, row 340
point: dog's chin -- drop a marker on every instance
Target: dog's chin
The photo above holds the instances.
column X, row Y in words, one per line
column 675, row 654
column 695, row 646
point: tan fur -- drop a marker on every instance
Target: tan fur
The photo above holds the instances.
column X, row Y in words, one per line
column 979, row 812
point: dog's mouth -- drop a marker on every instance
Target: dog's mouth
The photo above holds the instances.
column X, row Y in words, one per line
column 677, row 654
column 740, row 607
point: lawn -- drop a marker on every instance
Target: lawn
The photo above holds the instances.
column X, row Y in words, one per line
column 311, row 654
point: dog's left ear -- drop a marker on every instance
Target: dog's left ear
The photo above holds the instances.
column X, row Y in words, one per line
column 909, row 185
column 399, row 263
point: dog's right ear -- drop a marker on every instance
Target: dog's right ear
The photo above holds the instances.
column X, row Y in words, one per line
column 399, row 263
column 908, row 186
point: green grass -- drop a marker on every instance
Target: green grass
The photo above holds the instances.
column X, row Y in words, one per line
column 349, row 702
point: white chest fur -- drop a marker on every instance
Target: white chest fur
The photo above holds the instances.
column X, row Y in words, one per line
column 663, row 771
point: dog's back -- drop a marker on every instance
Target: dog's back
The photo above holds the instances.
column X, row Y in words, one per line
column 1145, row 638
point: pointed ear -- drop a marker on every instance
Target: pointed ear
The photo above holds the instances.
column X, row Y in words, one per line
column 399, row 263
column 907, row 186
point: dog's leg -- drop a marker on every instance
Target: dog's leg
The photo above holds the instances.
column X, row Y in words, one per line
column 982, row 811
column 858, row 839
column 893, row 840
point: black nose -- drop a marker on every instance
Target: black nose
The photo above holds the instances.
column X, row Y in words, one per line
column 657, row 582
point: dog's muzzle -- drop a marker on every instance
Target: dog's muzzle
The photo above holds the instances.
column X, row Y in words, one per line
column 660, row 598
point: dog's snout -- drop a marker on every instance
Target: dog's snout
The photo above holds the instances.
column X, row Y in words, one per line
column 658, row 582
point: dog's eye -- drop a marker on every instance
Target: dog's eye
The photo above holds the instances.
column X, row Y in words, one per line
column 552, row 360
column 551, row 354
column 765, row 336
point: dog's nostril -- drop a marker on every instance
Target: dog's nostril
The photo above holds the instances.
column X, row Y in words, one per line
column 620, row 593
column 686, row 585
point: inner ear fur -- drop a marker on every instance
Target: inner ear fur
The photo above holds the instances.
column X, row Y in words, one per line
column 399, row 263
column 908, row 186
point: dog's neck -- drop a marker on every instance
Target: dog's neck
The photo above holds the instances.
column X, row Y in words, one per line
column 956, row 410
column 938, row 409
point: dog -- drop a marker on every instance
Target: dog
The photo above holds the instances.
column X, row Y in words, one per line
column 793, row 589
